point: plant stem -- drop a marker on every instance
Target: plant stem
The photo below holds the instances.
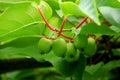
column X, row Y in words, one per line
column 104, row 21
column 80, row 24
column 51, row 27
column 99, row 57
column 109, row 24
column 62, row 26
column 71, row 22
column 64, row 30
column 43, row 17
column 91, row 20
column 66, row 36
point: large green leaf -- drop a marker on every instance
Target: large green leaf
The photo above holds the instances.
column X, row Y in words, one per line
column 111, row 14
column 107, row 67
column 64, row 67
column 92, row 28
column 21, row 42
column 93, row 68
column 80, row 67
column 30, row 51
column 90, row 9
column 87, row 76
column 116, row 52
column 20, row 16
column 33, row 31
column 70, row 8
column 69, row 0
column 100, row 71
column 54, row 4
column 25, row 46
column 7, row 3
column 110, row 3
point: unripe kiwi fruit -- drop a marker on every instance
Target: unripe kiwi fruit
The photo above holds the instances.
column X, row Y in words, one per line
column 44, row 45
column 71, row 55
column 91, row 48
column 59, row 47
column 80, row 41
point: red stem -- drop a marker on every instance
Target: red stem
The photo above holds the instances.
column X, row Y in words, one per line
column 71, row 40
column 104, row 21
column 91, row 20
column 51, row 27
column 43, row 17
column 80, row 24
column 109, row 24
column 66, row 36
column 62, row 26
column 71, row 22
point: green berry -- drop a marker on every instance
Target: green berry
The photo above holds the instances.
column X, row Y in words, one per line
column 44, row 45
column 71, row 54
column 80, row 41
column 91, row 48
column 59, row 47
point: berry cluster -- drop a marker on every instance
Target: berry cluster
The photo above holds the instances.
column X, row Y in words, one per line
column 70, row 51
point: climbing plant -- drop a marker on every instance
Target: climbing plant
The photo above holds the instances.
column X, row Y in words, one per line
column 59, row 39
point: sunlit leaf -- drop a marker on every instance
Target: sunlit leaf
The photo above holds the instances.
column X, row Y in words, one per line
column 19, row 20
column 110, row 3
column 89, row 7
column 92, row 28
column 112, row 15
column 70, row 8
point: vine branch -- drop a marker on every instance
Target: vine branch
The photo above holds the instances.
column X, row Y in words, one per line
column 80, row 24
column 43, row 17
column 62, row 26
column 51, row 27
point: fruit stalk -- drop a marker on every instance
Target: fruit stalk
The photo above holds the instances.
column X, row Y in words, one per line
column 66, row 36
column 43, row 17
column 62, row 26
column 80, row 24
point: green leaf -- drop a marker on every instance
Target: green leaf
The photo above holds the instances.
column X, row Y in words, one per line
column 116, row 52
column 92, row 28
column 87, row 76
column 80, row 67
column 93, row 68
column 107, row 67
column 21, row 42
column 112, row 15
column 34, row 31
column 69, row 0
column 22, row 75
column 70, row 8
column 102, row 71
column 29, row 51
column 7, row 3
column 65, row 68
column 110, row 3
column 26, row 46
column 90, row 9
column 114, row 28
column 19, row 16
column 46, row 9
column 37, row 1
column 54, row 4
